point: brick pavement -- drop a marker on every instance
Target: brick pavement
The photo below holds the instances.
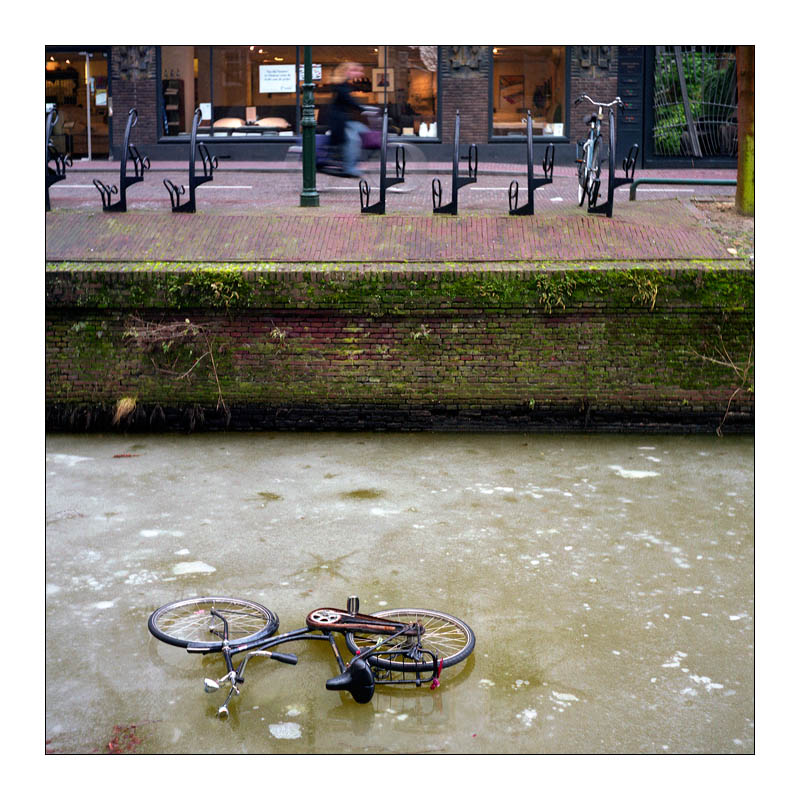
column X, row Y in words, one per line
column 251, row 213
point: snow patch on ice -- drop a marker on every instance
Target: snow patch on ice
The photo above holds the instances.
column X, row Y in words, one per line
column 527, row 715
column 66, row 459
column 188, row 567
column 285, row 730
column 633, row 473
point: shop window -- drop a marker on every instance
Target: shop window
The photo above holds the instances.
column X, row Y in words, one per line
column 401, row 78
column 528, row 79
column 411, row 93
column 241, row 90
column 257, row 89
column 76, row 85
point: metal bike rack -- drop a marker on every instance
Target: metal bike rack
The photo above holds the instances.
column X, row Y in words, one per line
column 61, row 162
column 458, row 180
column 140, row 164
column 628, row 164
column 400, row 173
column 209, row 165
column 533, row 183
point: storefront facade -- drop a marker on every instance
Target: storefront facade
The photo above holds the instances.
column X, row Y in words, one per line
column 681, row 101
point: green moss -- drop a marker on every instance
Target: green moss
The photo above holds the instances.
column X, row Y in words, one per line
column 382, row 293
column 449, row 335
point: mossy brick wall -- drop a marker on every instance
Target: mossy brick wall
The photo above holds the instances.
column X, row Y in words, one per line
column 359, row 347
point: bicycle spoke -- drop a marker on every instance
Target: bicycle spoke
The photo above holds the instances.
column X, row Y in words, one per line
column 192, row 621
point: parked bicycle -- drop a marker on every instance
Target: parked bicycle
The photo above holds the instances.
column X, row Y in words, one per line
column 408, row 646
column 589, row 157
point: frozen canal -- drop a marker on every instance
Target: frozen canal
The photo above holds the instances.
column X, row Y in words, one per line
column 608, row 579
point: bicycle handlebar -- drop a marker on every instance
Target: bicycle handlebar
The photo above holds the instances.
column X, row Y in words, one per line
column 286, row 658
column 617, row 101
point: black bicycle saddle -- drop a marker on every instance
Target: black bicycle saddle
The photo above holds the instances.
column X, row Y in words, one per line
column 356, row 679
column 589, row 118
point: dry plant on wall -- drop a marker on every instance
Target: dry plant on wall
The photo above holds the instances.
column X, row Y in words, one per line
column 741, row 370
column 159, row 338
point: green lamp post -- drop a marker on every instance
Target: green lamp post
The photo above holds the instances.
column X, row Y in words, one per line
column 309, row 197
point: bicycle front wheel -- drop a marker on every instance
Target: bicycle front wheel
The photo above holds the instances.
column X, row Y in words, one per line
column 581, row 183
column 190, row 623
column 447, row 637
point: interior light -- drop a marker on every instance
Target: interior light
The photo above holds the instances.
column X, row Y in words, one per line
column 495, row 51
column 261, row 50
column 252, row 47
column 52, row 58
column 68, row 61
column 279, row 58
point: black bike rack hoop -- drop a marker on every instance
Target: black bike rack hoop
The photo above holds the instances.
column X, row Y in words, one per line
column 385, row 183
column 458, row 180
column 61, row 160
column 533, row 183
column 140, row 164
column 209, row 165
column 628, row 164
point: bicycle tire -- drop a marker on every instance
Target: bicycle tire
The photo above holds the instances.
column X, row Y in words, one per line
column 448, row 637
column 188, row 623
column 593, row 175
column 581, row 182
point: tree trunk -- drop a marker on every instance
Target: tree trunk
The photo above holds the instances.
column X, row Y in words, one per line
column 746, row 84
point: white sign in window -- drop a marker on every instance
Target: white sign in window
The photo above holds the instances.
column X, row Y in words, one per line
column 276, row 78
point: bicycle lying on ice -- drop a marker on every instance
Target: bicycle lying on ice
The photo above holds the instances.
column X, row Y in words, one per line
column 408, row 646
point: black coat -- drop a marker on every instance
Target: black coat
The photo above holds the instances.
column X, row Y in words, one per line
column 343, row 108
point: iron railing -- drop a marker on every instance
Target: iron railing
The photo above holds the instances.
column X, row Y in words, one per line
column 695, row 101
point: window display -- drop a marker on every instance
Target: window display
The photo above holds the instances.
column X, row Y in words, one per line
column 529, row 78
column 247, row 90
column 76, row 84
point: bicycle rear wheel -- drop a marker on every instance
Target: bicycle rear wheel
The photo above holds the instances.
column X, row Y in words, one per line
column 449, row 638
column 190, row 623
column 593, row 176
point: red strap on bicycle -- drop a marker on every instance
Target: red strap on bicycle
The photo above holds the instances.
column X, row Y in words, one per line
column 435, row 681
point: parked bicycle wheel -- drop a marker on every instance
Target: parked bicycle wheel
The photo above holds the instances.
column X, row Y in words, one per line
column 593, row 176
column 190, row 623
column 450, row 639
column 581, row 183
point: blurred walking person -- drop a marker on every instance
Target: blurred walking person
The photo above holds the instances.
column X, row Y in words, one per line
column 345, row 127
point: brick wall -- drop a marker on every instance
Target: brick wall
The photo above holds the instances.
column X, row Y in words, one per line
column 464, row 85
column 600, row 83
column 513, row 349
column 134, row 84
